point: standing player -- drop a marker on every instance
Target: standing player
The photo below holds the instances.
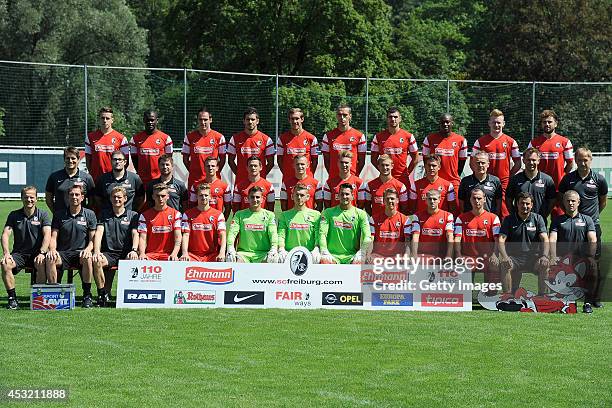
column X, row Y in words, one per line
column 480, row 178
column 451, row 147
column 296, row 142
column 432, row 181
column 201, row 144
column 250, row 142
column 147, row 146
column 501, row 149
column 371, row 193
column 255, row 229
column 299, row 226
column 220, row 191
column 100, row 145
column 345, row 236
column 204, row 237
column 59, row 182
column 392, row 229
column 116, row 238
column 31, row 227
column 119, row 176
column 72, row 234
column 432, row 229
column 160, row 229
column 329, row 193
column 240, row 199
column 343, row 137
column 398, row 144
column 176, row 188
column 301, row 176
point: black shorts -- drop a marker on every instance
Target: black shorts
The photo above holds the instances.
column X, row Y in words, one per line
column 524, row 262
column 70, row 259
column 113, row 258
column 22, row 261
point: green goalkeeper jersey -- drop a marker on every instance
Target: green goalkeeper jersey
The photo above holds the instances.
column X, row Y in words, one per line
column 256, row 231
column 343, row 232
column 299, row 228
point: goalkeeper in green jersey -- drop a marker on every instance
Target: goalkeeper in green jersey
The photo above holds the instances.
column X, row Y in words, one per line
column 255, row 228
column 345, row 235
column 299, row 226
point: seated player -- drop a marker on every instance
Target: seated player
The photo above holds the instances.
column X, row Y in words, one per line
column 176, row 188
column 59, row 182
column 160, row 229
column 432, row 181
column 392, row 229
column 345, row 234
column 31, row 227
column 371, row 192
column 328, row 195
column 119, row 176
column 302, row 176
column 523, row 245
column 240, row 200
column 116, row 238
column 72, row 233
column 255, row 228
column 299, row 226
column 432, row 229
column 220, row 192
column 490, row 184
column 204, row 237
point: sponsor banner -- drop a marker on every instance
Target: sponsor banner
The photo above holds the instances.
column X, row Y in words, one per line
column 342, row 299
column 188, row 297
column 392, row 299
column 231, row 297
column 144, row 296
column 52, row 297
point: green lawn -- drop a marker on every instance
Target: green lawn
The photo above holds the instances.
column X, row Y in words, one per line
column 223, row 357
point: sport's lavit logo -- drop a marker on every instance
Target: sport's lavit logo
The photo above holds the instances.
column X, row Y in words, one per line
column 144, row 296
column 342, row 298
column 299, row 259
column 243, row 298
column 210, row 276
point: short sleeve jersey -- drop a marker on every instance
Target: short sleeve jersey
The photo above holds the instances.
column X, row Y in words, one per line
column 73, row 230
column 27, row 231
column 176, row 190
column 100, row 148
column 373, row 192
column 572, row 233
column 255, row 230
column 398, row 146
column 159, row 226
column 290, row 146
column 522, row 236
column 148, row 149
column 60, row 182
column 589, row 189
column 118, row 229
column 541, row 187
column 329, row 192
column 130, row 181
column 555, row 152
column 198, row 148
column 287, row 190
column 451, row 149
column 500, row 151
column 391, row 233
column 490, row 185
column 241, row 191
column 299, row 228
column 203, row 228
column 477, row 232
column 244, row 146
column 432, row 230
column 220, row 194
column 419, row 189
column 336, row 141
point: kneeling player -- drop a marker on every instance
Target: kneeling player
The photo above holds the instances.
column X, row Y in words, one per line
column 345, row 234
column 255, row 228
column 392, row 229
column 204, row 237
column 299, row 226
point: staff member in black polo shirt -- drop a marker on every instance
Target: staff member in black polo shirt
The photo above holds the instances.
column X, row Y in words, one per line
column 116, row 238
column 540, row 185
column 59, row 182
column 119, row 177
column 176, row 188
column 31, row 227
column 490, row 184
column 574, row 234
column 523, row 245
column 72, row 233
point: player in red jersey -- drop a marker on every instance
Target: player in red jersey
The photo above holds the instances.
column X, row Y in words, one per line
column 300, row 169
column 371, row 194
column 100, row 145
column 200, row 144
column 159, row 229
column 344, row 137
column 296, row 142
column 397, row 143
column 501, row 149
column 327, row 194
column 147, row 146
column 204, row 235
column 432, row 229
column 220, row 191
column 250, row 142
column 452, row 149
column 432, row 181
column 392, row 229
column 240, row 199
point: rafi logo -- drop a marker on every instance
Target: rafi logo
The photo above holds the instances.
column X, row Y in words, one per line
column 144, row 296
column 299, row 259
column 197, row 274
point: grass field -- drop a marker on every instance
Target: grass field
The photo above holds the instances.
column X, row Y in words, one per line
column 222, row 357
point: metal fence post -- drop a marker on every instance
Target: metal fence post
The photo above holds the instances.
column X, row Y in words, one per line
column 367, row 105
column 533, row 97
column 184, row 101
column 86, row 100
column 448, row 95
column 276, row 116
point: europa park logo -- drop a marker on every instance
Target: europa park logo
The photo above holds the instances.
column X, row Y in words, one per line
column 210, row 276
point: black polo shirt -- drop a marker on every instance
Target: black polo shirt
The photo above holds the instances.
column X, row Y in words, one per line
column 118, row 230
column 130, row 181
column 73, row 230
column 572, row 233
column 523, row 236
column 176, row 189
column 589, row 189
column 541, row 187
column 27, row 231
column 491, row 185
column 60, row 182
